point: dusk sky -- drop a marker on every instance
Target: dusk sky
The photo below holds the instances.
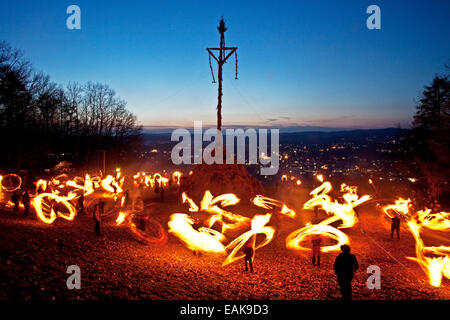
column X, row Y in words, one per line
column 301, row 63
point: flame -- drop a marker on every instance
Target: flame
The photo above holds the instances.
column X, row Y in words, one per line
column 284, row 177
column 401, row 206
column 258, row 226
column 434, row 267
column 435, row 221
column 205, row 239
column 212, row 205
column 176, row 176
column 142, row 236
column 42, row 204
column 13, row 179
column 109, row 183
column 192, row 206
column 88, row 187
column 437, row 266
column 294, row 240
column 320, row 177
column 41, row 184
column 121, row 218
column 269, row 203
column 339, row 211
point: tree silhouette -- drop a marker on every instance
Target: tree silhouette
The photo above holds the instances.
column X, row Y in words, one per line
column 430, row 137
column 39, row 117
column 434, row 108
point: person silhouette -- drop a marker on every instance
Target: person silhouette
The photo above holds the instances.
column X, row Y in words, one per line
column 345, row 267
column 249, row 254
column 395, row 226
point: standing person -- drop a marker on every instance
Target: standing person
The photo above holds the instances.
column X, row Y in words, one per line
column 196, row 225
column 249, row 253
column 97, row 219
column 15, row 198
column 345, row 267
column 162, row 194
column 316, row 213
column 26, row 199
column 81, row 203
column 395, row 226
column 316, row 248
column 156, row 186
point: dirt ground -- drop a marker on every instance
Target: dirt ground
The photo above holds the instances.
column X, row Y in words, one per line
column 34, row 258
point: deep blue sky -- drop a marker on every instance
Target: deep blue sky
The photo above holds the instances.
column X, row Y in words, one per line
column 300, row 62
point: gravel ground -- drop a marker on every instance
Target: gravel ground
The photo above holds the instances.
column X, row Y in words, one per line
column 34, row 258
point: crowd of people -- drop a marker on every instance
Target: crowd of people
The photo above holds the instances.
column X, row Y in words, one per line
column 345, row 264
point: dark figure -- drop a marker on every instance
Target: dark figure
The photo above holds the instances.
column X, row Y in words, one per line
column 316, row 212
column 316, row 248
column 26, row 199
column 249, row 255
column 156, row 186
column 15, row 199
column 197, row 225
column 162, row 194
column 81, row 203
column 102, row 207
column 345, row 267
column 142, row 223
column 395, row 226
column 97, row 219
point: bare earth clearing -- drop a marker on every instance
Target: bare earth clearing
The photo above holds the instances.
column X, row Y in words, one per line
column 34, row 258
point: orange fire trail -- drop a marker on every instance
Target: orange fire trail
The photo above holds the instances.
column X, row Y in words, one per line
column 340, row 211
column 212, row 205
column 401, row 207
column 45, row 211
column 268, row 203
column 294, row 240
column 205, row 239
column 436, row 266
column 258, row 227
column 10, row 182
column 142, row 236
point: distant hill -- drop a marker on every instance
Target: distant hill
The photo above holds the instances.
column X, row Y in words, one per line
column 355, row 136
column 312, row 137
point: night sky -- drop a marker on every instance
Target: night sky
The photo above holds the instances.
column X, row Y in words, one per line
column 301, row 63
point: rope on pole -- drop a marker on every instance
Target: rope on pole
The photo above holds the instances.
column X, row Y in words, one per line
column 212, row 72
column 236, row 60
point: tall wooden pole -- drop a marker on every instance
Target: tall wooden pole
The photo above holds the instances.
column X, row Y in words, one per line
column 224, row 54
